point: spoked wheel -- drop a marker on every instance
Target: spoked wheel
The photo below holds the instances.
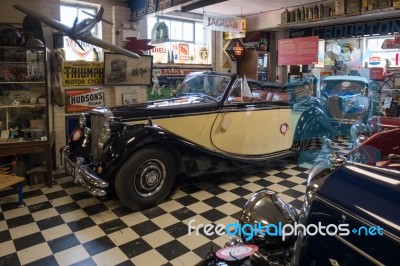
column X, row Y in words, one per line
column 145, row 179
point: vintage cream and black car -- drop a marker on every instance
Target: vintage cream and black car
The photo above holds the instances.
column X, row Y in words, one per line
column 216, row 122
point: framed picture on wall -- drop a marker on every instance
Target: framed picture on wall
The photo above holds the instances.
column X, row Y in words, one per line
column 124, row 70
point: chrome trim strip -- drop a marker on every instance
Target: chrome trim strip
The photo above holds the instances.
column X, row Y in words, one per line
column 357, row 250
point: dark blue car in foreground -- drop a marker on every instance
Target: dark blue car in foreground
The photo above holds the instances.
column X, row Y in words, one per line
column 350, row 215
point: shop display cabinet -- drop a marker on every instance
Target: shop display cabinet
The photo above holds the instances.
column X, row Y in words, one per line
column 255, row 65
column 26, row 117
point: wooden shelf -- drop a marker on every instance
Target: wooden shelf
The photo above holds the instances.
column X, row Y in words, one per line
column 369, row 16
column 23, row 105
column 23, row 82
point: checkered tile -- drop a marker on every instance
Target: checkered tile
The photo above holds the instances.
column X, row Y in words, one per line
column 64, row 225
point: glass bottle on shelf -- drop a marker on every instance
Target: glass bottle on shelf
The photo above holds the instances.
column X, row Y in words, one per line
column 321, row 11
column 316, row 12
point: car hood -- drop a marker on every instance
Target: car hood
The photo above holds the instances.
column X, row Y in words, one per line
column 180, row 106
column 366, row 192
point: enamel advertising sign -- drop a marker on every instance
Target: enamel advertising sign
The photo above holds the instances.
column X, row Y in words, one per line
column 79, row 100
column 82, row 73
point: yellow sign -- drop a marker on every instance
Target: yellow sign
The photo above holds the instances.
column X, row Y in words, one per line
column 81, row 73
column 227, row 64
column 236, row 35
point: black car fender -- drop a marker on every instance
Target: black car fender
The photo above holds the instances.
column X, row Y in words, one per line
column 311, row 120
column 131, row 139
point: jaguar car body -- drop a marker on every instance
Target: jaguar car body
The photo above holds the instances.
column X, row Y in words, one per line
column 345, row 99
column 216, row 122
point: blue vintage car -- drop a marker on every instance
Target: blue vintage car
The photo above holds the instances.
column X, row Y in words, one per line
column 215, row 122
column 350, row 215
column 345, row 100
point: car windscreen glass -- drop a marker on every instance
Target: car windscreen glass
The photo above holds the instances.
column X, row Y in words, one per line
column 343, row 86
column 212, row 86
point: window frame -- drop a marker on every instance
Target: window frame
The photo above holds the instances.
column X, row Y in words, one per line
column 97, row 29
column 168, row 21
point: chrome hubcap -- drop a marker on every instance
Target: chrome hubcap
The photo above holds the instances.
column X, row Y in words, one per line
column 150, row 178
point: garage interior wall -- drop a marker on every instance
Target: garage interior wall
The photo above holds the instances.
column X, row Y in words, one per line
column 114, row 10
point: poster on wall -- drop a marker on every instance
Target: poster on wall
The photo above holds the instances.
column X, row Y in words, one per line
column 298, row 51
column 81, row 73
column 73, row 52
column 129, row 98
column 166, row 81
column 78, row 100
column 124, row 70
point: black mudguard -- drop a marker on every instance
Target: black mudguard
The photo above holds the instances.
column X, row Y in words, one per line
column 312, row 119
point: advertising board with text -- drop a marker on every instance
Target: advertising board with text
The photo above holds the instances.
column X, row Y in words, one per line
column 79, row 100
column 298, row 51
column 81, row 73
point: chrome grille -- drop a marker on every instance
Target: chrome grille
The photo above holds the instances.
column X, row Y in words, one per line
column 335, row 107
column 97, row 120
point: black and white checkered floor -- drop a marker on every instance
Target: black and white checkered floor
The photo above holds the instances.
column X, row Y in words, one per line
column 64, row 225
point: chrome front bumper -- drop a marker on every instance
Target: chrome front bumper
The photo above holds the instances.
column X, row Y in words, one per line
column 82, row 174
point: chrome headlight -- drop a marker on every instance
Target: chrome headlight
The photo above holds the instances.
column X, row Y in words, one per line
column 82, row 120
column 105, row 134
column 265, row 208
column 359, row 140
column 358, row 129
column 349, row 103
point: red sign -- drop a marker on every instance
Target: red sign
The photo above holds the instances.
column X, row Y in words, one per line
column 79, row 100
column 77, row 50
column 298, row 51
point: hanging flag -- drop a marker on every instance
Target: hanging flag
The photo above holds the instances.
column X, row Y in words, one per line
column 246, row 92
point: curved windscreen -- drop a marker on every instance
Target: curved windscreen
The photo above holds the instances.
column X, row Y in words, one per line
column 209, row 86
